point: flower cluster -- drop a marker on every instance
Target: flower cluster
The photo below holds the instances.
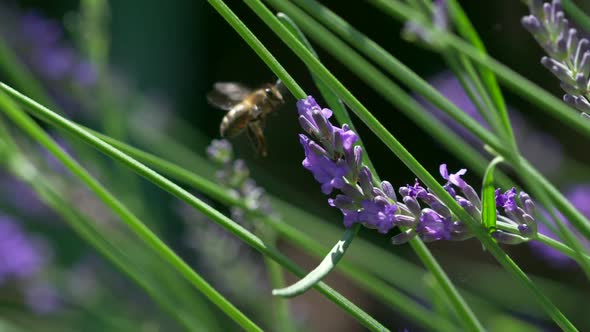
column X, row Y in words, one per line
column 569, row 54
column 40, row 43
column 21, row 257
column 336, row 163
column 236, row 176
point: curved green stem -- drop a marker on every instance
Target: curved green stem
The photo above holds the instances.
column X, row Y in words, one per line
column 327, row 265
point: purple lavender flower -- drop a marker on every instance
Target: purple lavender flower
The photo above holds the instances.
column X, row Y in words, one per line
column 579, row 196
column 339, row 167
column 40, row 44
column 236, row 176
column 569, row 54
column 21, row 256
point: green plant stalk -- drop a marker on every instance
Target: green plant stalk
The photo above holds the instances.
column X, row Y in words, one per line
column 56, row 120
column 466, row 29
column 94, row 22
column 386, row 60
column 564, row 249
column 460, row 69
column 488, row 213
column 463, row 310
column 32, row 129
column 282, row 317
column 575, row 12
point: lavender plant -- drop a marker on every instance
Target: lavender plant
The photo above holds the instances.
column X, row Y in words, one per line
column 568, row 50
column 49, row 184
column 335, row 162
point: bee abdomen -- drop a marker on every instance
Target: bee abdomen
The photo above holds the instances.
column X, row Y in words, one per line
column 234, row 121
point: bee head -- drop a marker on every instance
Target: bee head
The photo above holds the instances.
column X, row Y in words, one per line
column 272, row 92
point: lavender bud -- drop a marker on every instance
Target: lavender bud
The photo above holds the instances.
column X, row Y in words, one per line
column 413, row 205
column 472, row 196
column 403, row 237
column 343, row 202
column 405, row 221
column 324, row 128
column 468, row 206
column 220, row 151
column 352, row 192
column 388, row 190
column 436, row 204
column 508, row 238
column 527, row 203
column 533, row 25
column 366, row 181
column 584, row 64
column 307, row 126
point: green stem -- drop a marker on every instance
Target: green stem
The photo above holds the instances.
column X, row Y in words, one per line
column 282, row 317
column 468, row 32
column 146, row 235
column 328, row 264
column 252, row 240
column 575, row 12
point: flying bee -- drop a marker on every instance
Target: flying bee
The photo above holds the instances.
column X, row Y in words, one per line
column 247, row 109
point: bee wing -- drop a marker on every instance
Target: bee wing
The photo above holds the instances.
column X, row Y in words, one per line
column 256, row 135
column 227, row 94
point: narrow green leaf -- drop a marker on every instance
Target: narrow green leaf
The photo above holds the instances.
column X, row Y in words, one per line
column 488, row 198
column 327, row 265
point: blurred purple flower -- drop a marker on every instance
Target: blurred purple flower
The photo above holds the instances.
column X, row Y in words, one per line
column 542, row 150
column 579, row 196
column 21, row 256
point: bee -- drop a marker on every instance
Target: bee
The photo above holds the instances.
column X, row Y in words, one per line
column 247, row 109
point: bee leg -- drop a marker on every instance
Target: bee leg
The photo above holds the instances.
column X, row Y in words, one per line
column 256, row 135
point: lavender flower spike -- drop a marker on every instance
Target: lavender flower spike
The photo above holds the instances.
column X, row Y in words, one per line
column 569, row 54
column 339, row 167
